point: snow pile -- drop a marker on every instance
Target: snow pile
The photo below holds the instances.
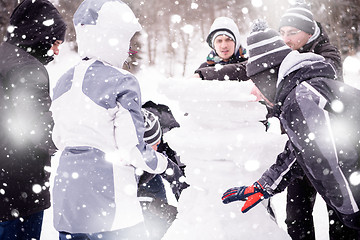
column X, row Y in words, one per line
column 351, row 69
column 223, row 144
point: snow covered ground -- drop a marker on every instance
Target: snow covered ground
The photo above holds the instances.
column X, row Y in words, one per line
column 223, row 145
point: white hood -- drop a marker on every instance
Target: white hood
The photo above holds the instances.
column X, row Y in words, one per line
column 104, row 29
column 294, row 61
column 222, row 23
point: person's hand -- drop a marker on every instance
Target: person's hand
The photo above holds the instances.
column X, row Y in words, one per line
column 259, row 96
column 176, row 178
column 256, row 92
column 252, row 195
column 195, row 75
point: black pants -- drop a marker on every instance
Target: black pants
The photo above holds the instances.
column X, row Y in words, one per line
column 28, row 227
column 136, row 232
column 299, row 220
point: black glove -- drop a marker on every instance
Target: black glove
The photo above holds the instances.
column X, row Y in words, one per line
column 145, row 177
column 166, row 150
column 162, row 209
column 175, row 177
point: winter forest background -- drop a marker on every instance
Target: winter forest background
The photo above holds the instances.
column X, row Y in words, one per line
column 171, row 27
column 220, row 139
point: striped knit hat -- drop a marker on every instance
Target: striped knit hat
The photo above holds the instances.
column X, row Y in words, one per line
column 266, row 49
column 225, row 32
column 299, row 17
column 152, row 134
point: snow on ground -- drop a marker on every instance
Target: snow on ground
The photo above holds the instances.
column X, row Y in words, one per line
column 223, row 145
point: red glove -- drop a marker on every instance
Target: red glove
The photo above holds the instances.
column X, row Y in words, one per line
column 252, row 195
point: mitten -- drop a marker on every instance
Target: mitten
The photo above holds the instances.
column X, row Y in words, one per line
column 175, row 177
column 252, row 195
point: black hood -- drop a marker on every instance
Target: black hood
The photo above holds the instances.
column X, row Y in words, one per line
column 37, row 25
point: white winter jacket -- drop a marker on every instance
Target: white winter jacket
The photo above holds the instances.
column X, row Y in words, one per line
column 99, row 127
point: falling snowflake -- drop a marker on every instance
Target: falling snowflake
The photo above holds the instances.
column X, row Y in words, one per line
column 337, row 106
column 257, row 3
column 355, row 178
column 36, row 188
column 194, row 6
column 169, row 171
column 252, row 165
column 48, row 22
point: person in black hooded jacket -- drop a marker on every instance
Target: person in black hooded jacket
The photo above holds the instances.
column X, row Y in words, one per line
column 35, row 32
column 301, row 32
column 318, row 114
column 158, row 213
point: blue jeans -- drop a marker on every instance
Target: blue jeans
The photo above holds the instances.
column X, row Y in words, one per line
column 28, row 229
column 136, row 232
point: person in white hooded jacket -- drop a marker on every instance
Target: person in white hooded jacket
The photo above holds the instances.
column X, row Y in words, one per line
column 227, row 59
column 99, row 128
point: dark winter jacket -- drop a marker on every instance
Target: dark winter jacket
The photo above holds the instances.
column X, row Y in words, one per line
column 320, row 117
column 167, row 122
column 321, row 45
column 25, row 120
column 234, row 69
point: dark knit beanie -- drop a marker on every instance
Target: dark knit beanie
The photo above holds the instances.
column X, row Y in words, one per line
column 299, row 17
column 152, row 133
column 266, row 49
column 36, row 26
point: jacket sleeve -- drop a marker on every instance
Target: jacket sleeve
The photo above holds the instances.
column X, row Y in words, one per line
column 313, row 136
column 283, row 172
column 129, row 130
column 332, row 56
column 232, row 71
column 31, row 116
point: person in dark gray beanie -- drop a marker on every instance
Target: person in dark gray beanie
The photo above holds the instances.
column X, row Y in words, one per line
column 300, row 17
column 312, row 109
column 301, row 32
column 266, row 51
column 158, row 213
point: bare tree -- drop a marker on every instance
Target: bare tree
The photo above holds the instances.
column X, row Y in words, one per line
column 342, row 21
column 6, row 8
column 67, row 9
column 164, row 38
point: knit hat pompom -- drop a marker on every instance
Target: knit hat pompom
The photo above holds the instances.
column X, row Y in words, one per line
column 299, row 16
column 266, row 49
column 152, row 134
column 259, row 25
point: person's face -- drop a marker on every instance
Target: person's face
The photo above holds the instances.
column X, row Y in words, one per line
column 224, row 47
column 155, row 146
column 55, row 47
column 294, row 37
column 266, row 84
